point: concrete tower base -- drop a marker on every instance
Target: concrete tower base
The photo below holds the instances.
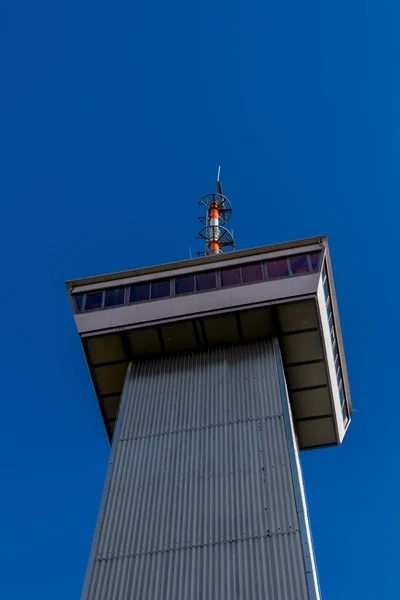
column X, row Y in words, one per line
column 204, row 498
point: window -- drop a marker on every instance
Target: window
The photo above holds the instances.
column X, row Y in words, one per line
column 341, row 395
column 139, row 293
column 277, row 268
column 78, row 302
column 329, row 308
column 252, row 273
column 299, row 264
column 326, row 289
column 160, row 289
column 335, row 353
column 184, row 285
column 314, row 257
column 230, row 277
column 338, row 373
column 345, row 413
column 94, row 301
column 114, row 297
column 206, row 281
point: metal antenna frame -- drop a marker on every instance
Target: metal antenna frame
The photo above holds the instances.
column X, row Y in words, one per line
column 218, row 213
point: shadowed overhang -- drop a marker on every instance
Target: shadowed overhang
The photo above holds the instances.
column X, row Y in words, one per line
column 296, row 325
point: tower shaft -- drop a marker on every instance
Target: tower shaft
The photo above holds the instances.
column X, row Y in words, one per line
column 203, row 497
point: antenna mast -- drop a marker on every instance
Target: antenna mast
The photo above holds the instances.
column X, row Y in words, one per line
column 219, row 211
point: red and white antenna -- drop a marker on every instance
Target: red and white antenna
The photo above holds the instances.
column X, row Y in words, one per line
column 218, row 212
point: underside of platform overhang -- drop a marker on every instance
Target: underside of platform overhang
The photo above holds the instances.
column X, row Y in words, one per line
column 296, row 324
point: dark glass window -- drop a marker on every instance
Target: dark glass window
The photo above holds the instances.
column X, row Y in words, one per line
column 114, row 297
column 314, row 260
column 78, row 302
column 329, row 307
column 206, row 281
column 332, row 335
column 277, row 268
column 184, row 285
column 230, row 277
column 252, row 273
column 139, row 292
column 341, row 395
column 338, row 374
column 326, row 289
column 299, row 264
column 93, row 301
column 335, row 354
column 160, row 289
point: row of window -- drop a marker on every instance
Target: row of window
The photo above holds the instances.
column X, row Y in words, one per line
column 332, row 333
column 199, row 282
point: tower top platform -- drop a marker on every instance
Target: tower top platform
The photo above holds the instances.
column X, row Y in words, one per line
column 283, row 290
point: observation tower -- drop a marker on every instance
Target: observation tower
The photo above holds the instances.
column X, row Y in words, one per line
column 211, row 375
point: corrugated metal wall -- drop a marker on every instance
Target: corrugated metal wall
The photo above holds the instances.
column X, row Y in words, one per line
column 202, row 493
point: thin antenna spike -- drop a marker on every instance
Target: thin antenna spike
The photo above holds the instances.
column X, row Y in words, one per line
column 219, row 182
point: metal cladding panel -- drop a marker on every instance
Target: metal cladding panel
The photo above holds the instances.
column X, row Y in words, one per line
column 203, row 389
column 249, row 569
column 200, row 499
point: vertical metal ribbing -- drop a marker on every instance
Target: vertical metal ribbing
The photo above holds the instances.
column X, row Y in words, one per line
column 199, row 501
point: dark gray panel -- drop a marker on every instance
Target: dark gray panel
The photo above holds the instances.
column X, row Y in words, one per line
column 102, row 349
column 306, row 375
column 110, row 379
column 300, row 347
column 312, row 403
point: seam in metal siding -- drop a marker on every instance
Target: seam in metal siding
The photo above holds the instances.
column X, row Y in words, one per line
column 245, row 571
column 199, row 501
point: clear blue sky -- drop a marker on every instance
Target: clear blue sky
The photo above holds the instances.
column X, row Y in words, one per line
column 113, row 118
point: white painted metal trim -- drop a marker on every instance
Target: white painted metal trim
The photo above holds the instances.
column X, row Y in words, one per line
column 330, row 363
